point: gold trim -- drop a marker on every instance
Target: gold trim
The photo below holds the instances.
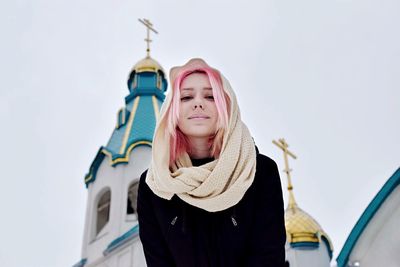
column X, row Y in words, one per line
column 107, row 153
column 155, row 107
column 303, row 237
column 129, row 126
column 130, row 148
column 88, row 179
column 143, row 69
column 124, row 159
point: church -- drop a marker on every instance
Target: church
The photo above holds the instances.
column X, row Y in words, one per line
column 111, row 229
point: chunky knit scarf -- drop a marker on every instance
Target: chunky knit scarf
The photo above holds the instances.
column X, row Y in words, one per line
column 214, row 186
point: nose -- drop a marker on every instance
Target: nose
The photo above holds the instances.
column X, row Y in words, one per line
column 200, row 106
column 198, row 103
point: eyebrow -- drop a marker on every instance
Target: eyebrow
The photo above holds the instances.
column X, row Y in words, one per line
column 191, row 88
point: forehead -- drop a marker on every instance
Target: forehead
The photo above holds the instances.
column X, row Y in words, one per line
column 195, row 80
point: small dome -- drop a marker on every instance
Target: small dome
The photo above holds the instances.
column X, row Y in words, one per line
column 147, row 64
column 302, row 228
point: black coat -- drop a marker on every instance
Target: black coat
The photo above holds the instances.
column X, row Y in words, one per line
column 251, row 233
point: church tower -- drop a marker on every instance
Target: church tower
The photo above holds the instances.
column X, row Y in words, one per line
column 307, row 245
column 111, row 236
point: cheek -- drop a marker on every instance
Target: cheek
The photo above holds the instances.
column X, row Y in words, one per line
column 182, row 114
column 182, row 110
column 214, row 111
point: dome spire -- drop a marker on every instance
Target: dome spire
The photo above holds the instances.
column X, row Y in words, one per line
column 147, row 64
column 149, row 27
column 284, row 146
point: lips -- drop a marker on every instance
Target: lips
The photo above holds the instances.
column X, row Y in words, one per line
column 199, row 116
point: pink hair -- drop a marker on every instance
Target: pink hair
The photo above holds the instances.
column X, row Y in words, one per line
column 178, row 141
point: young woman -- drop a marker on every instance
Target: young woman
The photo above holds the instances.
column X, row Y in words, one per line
column 209, row 197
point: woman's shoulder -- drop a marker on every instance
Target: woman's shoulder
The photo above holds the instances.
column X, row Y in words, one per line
column 142, row 182
column 264, row 162
column 267, row 174
column 143, row 176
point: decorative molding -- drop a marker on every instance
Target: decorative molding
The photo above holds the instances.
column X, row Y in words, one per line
column 123, row 239
column 81, row 263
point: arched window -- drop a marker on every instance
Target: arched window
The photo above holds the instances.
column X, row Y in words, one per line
column 132, row 198
column 103, row 211
column 159, row 80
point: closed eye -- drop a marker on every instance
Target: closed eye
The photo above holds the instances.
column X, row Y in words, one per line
column 210, row 97
column 186, row 98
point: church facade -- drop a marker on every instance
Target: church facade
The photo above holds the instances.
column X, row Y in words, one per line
column 111, row 225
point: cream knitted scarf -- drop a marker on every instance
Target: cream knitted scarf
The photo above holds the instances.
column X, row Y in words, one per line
column 216, row 185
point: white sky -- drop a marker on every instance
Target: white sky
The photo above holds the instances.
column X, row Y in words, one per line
column 324, row 75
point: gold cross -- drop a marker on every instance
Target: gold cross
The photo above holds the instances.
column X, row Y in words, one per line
column 149, row 27
column 284, row 146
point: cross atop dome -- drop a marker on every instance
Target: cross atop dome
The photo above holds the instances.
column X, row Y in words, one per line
column 149, row 27
column 284, row 146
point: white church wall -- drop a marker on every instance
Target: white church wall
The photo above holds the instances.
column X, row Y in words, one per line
column 302, row 257
column 117, row 179
column 139, row 161
column 128, row 255
column 138, row 255
column 379, row 243
column 105, row 178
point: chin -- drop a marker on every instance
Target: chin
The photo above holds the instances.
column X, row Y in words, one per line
column 199, row 133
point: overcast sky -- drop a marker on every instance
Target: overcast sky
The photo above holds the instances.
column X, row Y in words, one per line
column 325, row 75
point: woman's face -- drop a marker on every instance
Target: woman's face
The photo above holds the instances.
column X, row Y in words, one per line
column 197, row 113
